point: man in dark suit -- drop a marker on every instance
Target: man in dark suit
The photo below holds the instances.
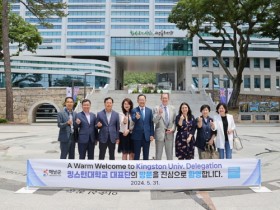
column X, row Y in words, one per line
column 143, row 132
column 66, row 135
column 86, row 122
column 109, row 126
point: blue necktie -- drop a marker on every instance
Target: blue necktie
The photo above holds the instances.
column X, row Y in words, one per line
column 143, row 113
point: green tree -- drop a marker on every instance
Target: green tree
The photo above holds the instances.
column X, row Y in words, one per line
column 139, row 78
column 42, row 9
column 25, row 35
column 234, row 22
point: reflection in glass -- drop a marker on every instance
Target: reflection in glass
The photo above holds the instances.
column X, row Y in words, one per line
column 216, row 62
column 205, row 62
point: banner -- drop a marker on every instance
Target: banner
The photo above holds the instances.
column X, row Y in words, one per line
column 144, row 175
column 223, row 95
column 69, row 92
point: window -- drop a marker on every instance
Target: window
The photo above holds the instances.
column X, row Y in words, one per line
column 226, row 62
column 278, row 65
column 195, row 81
column 266, row 62
column 205, row 62
column 247, row 81
column 257, row 63
column 205, row 81
column 277, row 82
column 267, row 83
column 216, row 81
column 194, row 62
column 226, row 82
column 257, row 82
column 247, row 63
column 215, row 62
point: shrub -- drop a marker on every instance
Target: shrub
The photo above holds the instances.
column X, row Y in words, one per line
column 135, row 91
column 3, row 120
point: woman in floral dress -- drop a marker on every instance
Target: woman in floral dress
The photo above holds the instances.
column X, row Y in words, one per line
column 186, row 126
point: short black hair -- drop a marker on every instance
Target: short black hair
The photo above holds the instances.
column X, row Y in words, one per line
column 69, row 97
column 108, row 98
column 140, row 96
column 205, row 106
column 221, row 104
column 86, row 100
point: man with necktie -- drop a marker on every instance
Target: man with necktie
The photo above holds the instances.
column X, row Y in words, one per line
column 86, row 122
column 164, row 118
column 143, row 132
column 66, row 135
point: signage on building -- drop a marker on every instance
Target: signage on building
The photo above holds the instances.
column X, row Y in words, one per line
column 152, row 33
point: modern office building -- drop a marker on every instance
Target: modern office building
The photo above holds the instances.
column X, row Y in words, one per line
column 107, row 37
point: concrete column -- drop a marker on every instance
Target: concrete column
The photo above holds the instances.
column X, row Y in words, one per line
column 188, row 72
column 175, row 75
column 112, row 84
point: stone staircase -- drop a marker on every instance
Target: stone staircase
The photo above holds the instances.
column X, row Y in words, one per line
column 176, row 98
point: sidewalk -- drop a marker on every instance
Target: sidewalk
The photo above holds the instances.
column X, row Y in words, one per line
column 21, row 142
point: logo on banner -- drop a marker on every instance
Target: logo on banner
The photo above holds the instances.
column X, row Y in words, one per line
column 234, row 172
column 46, row 172
column 51, row 172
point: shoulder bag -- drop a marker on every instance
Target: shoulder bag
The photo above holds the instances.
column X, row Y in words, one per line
column 237, row 143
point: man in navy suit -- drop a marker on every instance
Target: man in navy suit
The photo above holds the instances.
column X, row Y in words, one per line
column 85, row 121
column 66, row 135
column 109, row 126
column 143, row 131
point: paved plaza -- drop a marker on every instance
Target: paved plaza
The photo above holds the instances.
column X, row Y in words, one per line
column 19, row 143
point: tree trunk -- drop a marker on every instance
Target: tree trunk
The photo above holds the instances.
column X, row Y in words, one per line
column 235, row 93
column 7, row 62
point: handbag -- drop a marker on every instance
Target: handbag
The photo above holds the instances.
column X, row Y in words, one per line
column 210, row 152
column 237, row 143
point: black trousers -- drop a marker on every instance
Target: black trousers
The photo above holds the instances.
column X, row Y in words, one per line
column 86, row 148
column 68, row 148
column 103, row 148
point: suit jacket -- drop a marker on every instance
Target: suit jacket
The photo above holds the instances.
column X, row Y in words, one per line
column 141, row 126
column 220, row 138
column 160, row 123
column 108, row 129
column 87, row 131
column 65, row 129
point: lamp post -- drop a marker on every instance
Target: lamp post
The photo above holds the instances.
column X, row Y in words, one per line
column 85, row 82
column 213, row 91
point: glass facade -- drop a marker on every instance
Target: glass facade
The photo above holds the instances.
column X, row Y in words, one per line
column 151, row 46
column 257, row 63
column 216, row 62
column 257, row 81
column 267, row 82
column 56, row 73
column 247, row 81
column 266, row 63
column 205, row 62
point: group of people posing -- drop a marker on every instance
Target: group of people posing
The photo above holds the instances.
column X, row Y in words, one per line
column 134, row 128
